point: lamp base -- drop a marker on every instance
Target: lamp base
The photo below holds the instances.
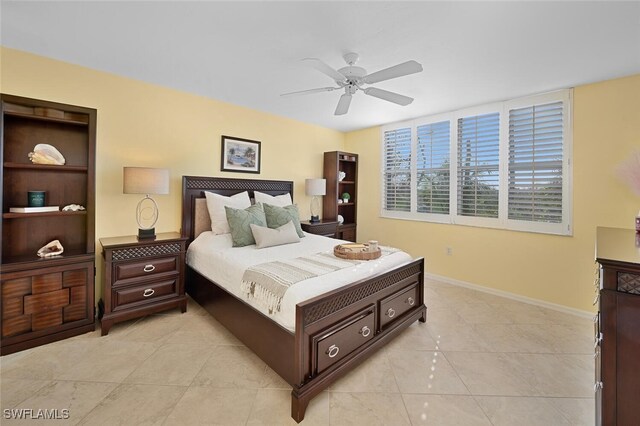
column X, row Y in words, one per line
column 147, row 234
column 314, row 219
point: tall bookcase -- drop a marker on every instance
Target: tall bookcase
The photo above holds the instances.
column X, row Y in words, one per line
column 334, row 163
column 46, row 299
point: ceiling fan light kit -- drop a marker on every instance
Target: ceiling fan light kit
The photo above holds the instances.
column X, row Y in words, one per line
column 351, row 79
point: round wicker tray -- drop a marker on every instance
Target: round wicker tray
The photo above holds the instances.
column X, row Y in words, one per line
column 356, row 251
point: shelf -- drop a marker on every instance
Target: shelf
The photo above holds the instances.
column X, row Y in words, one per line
column 42, row 214
column 65, row 256
column 346, row 182
column 45, row 118
column 346, row 204
column 48, row 167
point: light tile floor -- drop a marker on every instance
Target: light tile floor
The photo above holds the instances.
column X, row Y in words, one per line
column 479, row 360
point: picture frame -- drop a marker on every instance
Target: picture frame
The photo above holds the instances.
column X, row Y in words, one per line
column 240, row 155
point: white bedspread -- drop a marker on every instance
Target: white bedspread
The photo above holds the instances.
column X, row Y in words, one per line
column 214, row 257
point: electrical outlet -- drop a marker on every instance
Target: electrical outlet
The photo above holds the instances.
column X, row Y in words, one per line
column 449, row 251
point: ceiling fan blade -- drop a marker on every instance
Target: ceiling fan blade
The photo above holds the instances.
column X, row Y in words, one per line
column 343, row 104
column 396, row 98
column 307, row 92
column 325, row 69
column 405, row 68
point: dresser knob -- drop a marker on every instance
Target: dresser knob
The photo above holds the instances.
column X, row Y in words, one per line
column 149, row 268
column 148, row 292
column 332, row 351
column 410, row 301
column 390, row 313
column 365, row 331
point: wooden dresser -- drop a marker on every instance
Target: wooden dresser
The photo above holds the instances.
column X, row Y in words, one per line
column 617, row 327
column 141, row 277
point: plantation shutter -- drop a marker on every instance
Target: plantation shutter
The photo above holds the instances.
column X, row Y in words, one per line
column 432, row 164
column 535, row 163
column 397, row 170
column 478, row 165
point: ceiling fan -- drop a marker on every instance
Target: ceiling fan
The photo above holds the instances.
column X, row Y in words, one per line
column 351, row 78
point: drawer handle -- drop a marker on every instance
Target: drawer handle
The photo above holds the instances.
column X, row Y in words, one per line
column 598, row 341
column 390, row 313
column 148, row 292
column 332, row 351
column 410, row 301
column 365, row 331
column 149, row 268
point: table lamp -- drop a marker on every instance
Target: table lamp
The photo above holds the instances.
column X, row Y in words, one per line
column 146, row 180
column 315, row 188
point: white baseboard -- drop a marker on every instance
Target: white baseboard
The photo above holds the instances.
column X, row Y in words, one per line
column 508, row 295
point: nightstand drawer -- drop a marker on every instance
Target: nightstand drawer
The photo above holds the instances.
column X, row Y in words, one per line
column 325, row 229
column 123, row 271
column 144, row 293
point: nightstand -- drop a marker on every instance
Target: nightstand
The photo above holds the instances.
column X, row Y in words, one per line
column 326, row 228
column 141, row 277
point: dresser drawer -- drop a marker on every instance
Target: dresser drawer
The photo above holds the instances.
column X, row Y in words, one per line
column 123, row 297
column 123, row 271
column 394, row 306
column 339, row 341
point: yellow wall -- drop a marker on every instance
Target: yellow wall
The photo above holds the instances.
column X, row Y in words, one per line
column 555, row 269
column 141, row 124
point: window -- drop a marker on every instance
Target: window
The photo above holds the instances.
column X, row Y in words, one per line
column 504, row 165
column 397, row 166
column 535, row 163
column 478, row 165
column 432, row 164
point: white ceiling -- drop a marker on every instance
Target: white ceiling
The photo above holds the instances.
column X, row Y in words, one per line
column 248, row 53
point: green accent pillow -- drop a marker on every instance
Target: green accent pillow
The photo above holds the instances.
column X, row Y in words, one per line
column 278, row 216
column 239, row 221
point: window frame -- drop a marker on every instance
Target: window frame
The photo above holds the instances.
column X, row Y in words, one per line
column 565, row 227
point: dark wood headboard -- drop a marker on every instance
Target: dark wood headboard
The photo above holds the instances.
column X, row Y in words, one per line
column 193, row 187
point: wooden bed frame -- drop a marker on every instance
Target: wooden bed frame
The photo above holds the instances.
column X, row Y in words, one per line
column 334, row 332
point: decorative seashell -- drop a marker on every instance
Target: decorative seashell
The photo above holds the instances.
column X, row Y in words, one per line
column 340, row 219
column 73, row 208
column 46, row 154
column 54, row 248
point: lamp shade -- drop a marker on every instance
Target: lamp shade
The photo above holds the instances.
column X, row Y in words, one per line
column 315, row 186
column 145, row 180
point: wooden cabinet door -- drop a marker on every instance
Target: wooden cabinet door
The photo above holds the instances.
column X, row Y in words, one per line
column 628, row 358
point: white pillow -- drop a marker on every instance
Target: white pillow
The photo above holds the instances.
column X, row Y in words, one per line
column 279, row 200
column 267, row 237
column 216, row 204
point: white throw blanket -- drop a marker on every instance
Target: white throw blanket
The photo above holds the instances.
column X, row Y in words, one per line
column 268, row 282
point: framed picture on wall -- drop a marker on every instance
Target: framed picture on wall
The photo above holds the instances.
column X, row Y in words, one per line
column 240, row 155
